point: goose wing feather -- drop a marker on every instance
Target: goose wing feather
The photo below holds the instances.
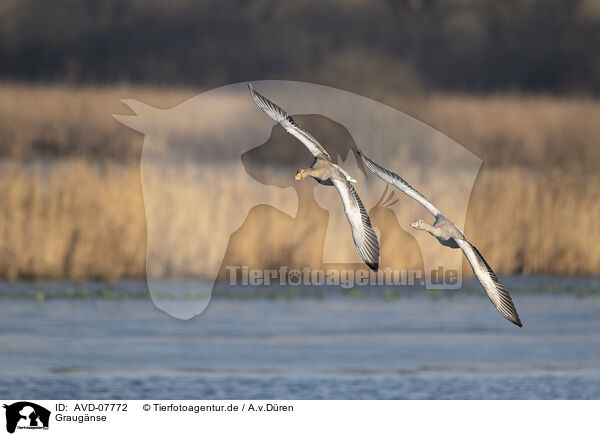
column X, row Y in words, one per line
column 288, row 124
column 363, row 234
column 397, row 181
column 495, row 290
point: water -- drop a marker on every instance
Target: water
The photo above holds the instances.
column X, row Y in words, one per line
column 451, row 346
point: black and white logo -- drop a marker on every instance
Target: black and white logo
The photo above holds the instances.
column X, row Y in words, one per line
column 26, row 415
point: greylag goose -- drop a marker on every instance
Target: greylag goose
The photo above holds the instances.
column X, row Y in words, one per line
column 449, row 235
column 328, row 173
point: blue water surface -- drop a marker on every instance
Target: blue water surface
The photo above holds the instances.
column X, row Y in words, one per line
column 452, row 345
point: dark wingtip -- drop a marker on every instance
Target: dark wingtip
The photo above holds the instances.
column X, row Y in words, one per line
column 359, row 152
column 516, row 322
column 373, row 266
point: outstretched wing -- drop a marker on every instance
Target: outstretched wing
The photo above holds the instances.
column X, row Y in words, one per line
column 363, row 234
column 344, row 173
column 288, row 123
column 397, row 181
column 496, row 291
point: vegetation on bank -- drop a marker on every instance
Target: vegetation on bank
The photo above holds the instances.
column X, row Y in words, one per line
column 72, row 203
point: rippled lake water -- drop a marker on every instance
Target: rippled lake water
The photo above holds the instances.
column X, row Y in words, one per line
column 68, row 341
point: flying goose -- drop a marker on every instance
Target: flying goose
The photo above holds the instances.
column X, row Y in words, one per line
column 328, row 173
column 449, row 235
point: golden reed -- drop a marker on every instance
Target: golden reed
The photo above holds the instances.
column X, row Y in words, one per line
column 71, row 202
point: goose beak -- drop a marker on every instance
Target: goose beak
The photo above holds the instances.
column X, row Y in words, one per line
column 415, row 224
column 297, row 176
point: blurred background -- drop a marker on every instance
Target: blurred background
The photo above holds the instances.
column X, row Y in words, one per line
column 516, row 82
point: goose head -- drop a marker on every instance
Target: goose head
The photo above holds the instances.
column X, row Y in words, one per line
column 418, row 224
column 300, row 174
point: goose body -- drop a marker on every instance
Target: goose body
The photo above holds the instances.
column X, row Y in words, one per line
column 328, row 173
column 450, row 235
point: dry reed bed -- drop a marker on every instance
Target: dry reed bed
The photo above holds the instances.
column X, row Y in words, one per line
column 73, row 219
column 537, row 131
column 59, row 121
column 80, row 213
column 70, row 219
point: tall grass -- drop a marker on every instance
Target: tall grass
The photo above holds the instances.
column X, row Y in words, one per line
column 46, row 122
column 70, row 219
column 73, row 219
column 534, row 131
column 71, row 201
